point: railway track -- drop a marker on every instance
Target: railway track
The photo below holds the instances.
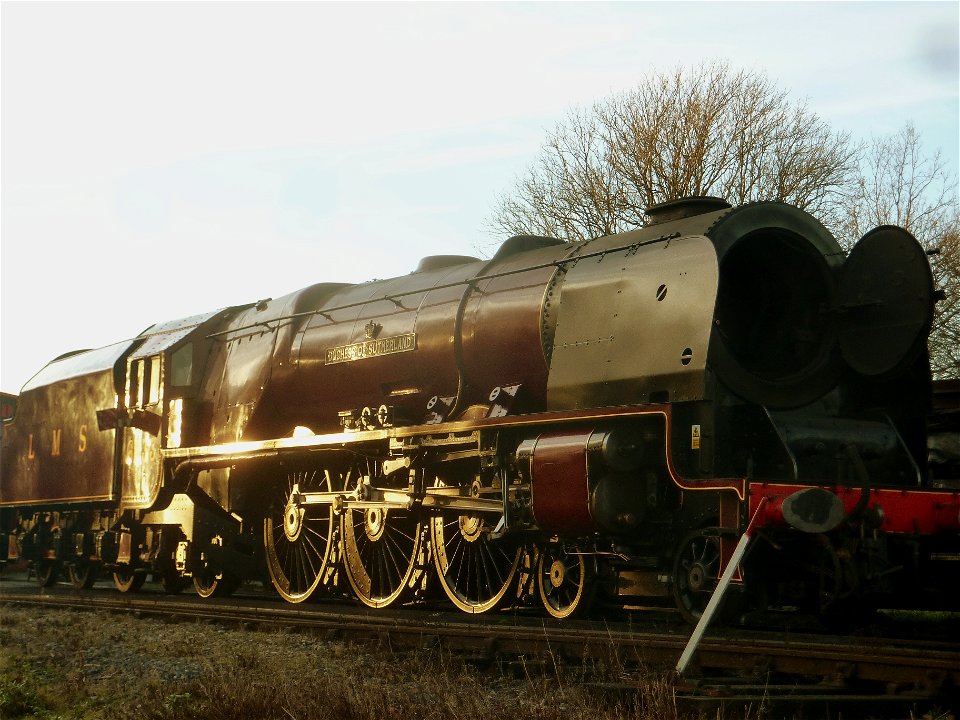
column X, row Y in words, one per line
column 732, row 666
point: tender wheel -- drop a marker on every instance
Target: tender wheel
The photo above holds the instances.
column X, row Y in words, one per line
column 83, row 574
column 382, row 547
column 477, row 573
column 126, row 580
column 565, row 581
column 173, row 583
column 696, row 572
column 48, row 572
column 209, row 585
column 297, row 538
column 208, row 579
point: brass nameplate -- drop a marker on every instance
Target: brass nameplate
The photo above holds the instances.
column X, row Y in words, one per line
column 372, row 348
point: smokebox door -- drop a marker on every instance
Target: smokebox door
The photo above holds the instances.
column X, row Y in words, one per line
column 885, row 302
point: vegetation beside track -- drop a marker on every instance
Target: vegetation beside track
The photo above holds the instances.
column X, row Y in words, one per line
column 68, row 665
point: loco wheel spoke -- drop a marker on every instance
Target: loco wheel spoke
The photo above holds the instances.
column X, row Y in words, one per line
column 382, row 547
column 565, row 581
column 476, row 573
column 298, row 539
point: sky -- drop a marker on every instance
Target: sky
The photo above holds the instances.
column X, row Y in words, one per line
column 158, row 160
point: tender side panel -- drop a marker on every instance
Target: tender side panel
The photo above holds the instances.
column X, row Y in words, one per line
column 53, row 450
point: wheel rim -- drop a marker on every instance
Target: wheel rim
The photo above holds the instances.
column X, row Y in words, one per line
column 208, row 585
column 695, row 573
column 205, row 586
column 297, row 538
column 382, row 548
column 564, row 581
column 83, row 575
column 476, row 573
column 126, row 580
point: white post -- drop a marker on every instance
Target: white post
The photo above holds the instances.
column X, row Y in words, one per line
column 718, row 592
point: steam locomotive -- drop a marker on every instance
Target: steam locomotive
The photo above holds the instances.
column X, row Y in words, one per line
column 560, row 422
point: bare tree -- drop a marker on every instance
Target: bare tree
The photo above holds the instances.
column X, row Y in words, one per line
column 901, row 185
column 706, row 131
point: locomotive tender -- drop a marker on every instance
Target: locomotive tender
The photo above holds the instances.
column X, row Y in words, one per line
column 559, row 420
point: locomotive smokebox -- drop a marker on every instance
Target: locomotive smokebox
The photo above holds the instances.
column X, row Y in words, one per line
column 792, row 313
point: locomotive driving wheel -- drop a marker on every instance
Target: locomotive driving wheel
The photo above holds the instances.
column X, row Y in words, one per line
column 565, row 581
column 382, row 546
column 476, row 572
column 298, row 540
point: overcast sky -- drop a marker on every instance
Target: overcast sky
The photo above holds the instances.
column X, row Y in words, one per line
column 160, row 160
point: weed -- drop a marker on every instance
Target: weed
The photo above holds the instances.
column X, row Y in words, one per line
column 18, row 698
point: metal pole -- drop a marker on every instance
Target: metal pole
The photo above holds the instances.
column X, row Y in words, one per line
column 718, row 592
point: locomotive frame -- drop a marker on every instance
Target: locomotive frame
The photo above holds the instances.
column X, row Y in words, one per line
column 562, row 420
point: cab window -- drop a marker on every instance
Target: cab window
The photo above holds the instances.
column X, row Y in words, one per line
column 181, row 366
column 154, row 396
column 145, row 382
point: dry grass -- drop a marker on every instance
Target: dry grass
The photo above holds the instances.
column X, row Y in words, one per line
column 59, row 664
column 64, row 664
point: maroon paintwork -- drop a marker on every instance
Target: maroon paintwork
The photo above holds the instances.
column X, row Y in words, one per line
column 448, row 334
column 53, row 450
column 561, row 496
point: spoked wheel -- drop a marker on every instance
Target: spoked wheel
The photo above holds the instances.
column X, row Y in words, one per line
column 208, row 584
column 835, row 582
column 696, row 572
column 298, row 538
column 208, row 579
column 83, row 574
column 477, row 573
column 126, row 580
column 48, row 572
column 382, row 547
column 565, row 581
